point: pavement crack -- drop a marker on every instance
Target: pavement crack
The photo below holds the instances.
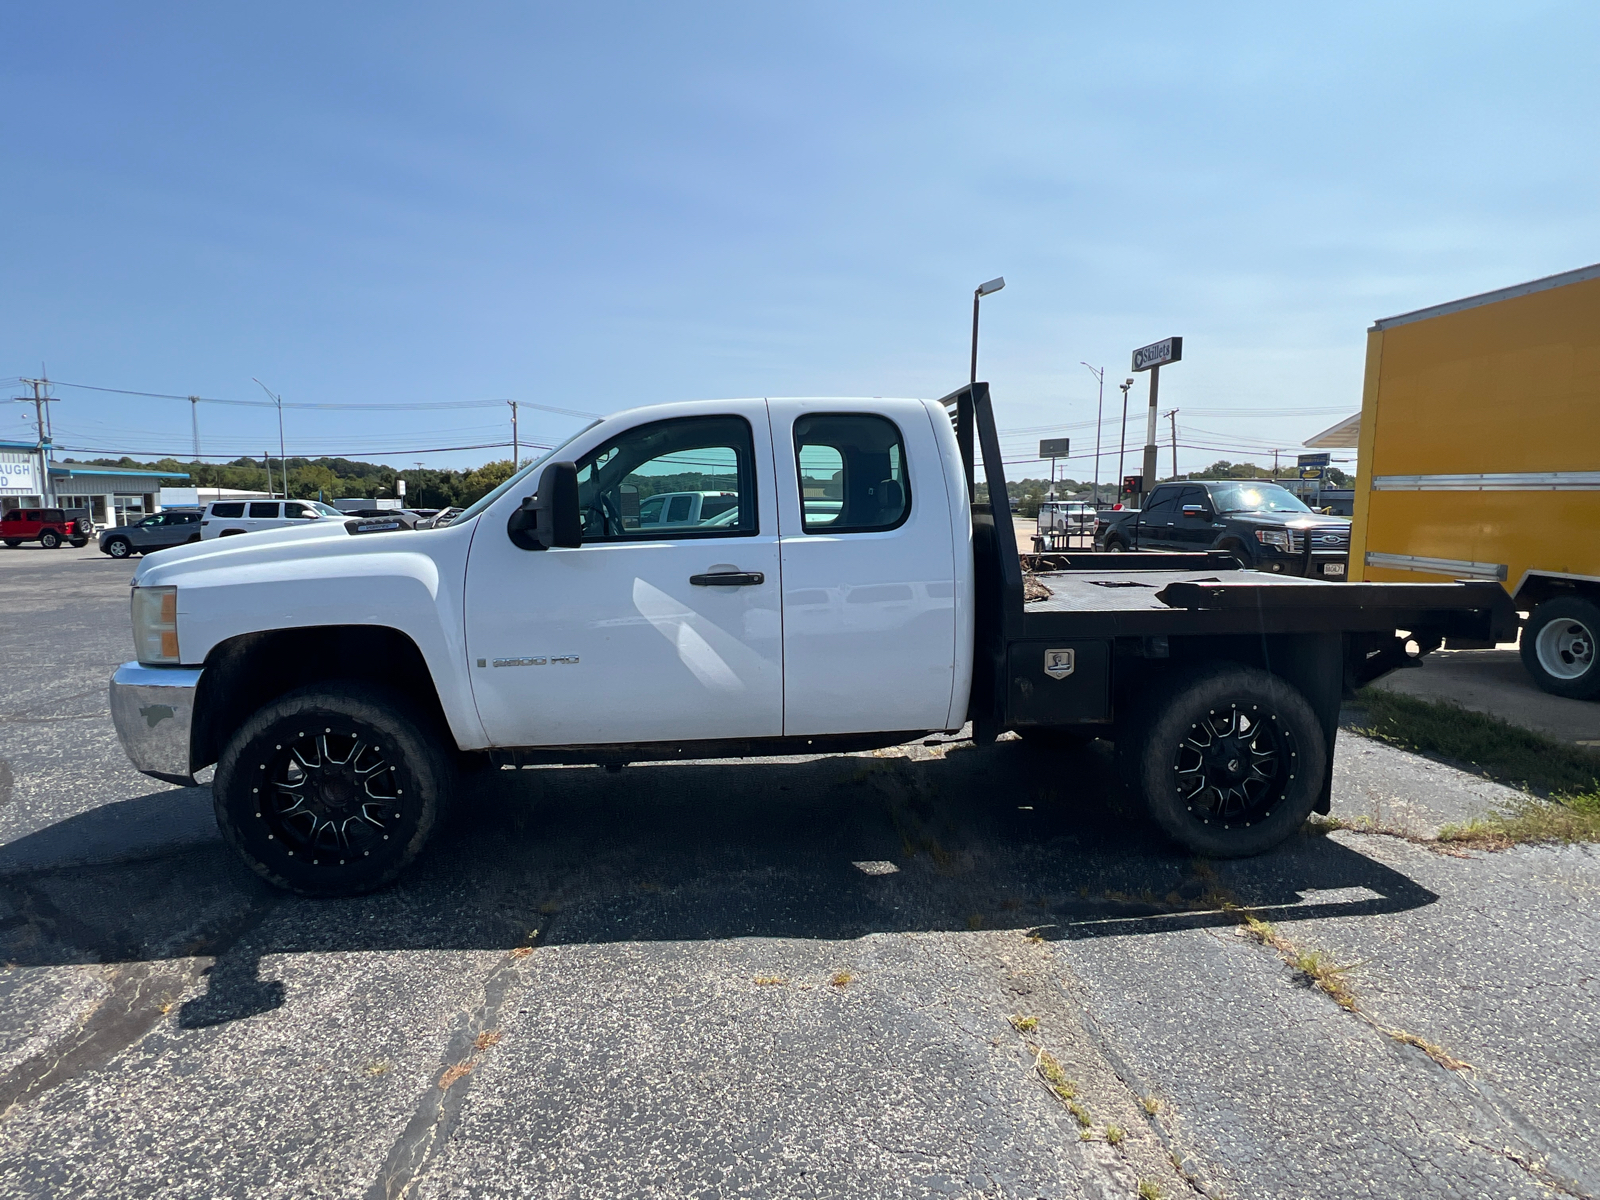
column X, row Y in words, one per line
column 439, row 1109
column 141, row 994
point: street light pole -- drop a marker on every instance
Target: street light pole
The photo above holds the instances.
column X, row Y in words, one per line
column 1100, row 374
column 982, row 290
column 283, row 466
column 1122, row 443
column 516, row 445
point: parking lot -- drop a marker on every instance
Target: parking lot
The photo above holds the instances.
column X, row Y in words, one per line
column 836, row 976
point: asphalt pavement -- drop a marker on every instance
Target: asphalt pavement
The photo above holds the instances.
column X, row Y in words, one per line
column 796, row 977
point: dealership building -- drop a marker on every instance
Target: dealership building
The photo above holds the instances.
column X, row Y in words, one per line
column 110, row 495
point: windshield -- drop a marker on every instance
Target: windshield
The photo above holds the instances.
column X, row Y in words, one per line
column 478, row 506
column 1256, row 497
column 326, row 510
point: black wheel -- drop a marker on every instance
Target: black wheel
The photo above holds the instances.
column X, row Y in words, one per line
column 13, row 542
column 119, row 547
column 49, row 539
column 1559, row 647
column 1116, row 545
column 1229, row 760
column 1237, row 549
column 334, row 789
column 79, row 543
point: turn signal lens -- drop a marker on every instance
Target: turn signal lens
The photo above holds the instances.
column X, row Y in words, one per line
column 155, row 625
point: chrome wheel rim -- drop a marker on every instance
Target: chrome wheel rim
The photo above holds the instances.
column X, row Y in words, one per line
column 330, row 796
column 1233, row 766
column 1565, row 648
column 118, row 549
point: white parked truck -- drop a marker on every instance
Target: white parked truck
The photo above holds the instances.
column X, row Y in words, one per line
column 340, row 674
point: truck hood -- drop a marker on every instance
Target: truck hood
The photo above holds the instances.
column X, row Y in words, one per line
column 251, row 551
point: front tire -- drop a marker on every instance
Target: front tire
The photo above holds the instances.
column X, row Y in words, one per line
column 1559, row 647
column 119, row 547
column 1115, row 545
column 334, row 789
column 13, row 543
column 50, row 539
column 1229, row 760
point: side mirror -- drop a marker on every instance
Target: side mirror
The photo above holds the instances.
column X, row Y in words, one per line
column 1195, row 510
column 549, row 517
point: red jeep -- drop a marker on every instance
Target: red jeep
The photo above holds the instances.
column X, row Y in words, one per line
column 47, row 526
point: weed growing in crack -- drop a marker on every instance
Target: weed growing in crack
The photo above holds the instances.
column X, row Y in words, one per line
column 1050, row 1071
column 1023, row 1024
column 1081, row 1113
column 377, row 1067
column 489, row 1037
column 842, row 979
column 770, row 981
column 1149, row 1189
column 1150, row 1104
column 1115, row 1134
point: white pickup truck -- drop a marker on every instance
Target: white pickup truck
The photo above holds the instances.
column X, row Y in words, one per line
column 860, row 594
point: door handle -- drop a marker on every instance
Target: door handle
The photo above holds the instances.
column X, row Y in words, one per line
column 729, row 579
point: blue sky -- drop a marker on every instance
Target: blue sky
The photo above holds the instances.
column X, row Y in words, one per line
column 594, row 206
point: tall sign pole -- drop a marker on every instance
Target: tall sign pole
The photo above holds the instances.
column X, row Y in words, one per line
column 1151, row 358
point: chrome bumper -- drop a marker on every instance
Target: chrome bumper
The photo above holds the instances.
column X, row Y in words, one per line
column 153, row 710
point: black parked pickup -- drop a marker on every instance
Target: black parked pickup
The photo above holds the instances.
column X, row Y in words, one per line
column 1260, row 522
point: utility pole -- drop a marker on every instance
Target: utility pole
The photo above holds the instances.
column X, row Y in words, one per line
column 194, row 422
column 1274, row 464
column 516, row 446
column 1172, row 416
column 41, row 415
column 266, row 459
column 1100, row 405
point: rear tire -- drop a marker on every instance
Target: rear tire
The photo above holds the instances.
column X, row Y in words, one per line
column 50, row 539
column 119, row 547
column 1229, row 760
column 1559, row 647
column 1116, row 545
column 334, row 789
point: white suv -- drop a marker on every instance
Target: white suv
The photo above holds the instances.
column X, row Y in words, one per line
column 225, row 518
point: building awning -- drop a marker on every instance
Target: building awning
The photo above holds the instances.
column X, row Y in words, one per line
column 1347, row 433
column 71, row 472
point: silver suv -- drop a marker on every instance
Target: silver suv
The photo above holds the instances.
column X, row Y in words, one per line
column 159, row 531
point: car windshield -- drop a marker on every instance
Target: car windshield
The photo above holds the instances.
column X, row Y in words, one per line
column 1256, row 497
column 326, row 510
column 478, row 506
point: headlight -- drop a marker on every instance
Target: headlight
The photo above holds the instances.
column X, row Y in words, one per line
column 155, row 624
column 1277, row 538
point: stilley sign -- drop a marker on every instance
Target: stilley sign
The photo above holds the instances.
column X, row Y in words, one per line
column 1156, row 354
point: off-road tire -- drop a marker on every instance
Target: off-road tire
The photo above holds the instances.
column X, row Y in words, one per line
column 1560, row 649
column 1237, row 548
column 119, row 547
column 312, row 822
column 50, row 539
column 79, row 543
column 1228, row 760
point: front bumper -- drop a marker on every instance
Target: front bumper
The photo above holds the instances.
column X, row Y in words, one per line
column 153, row 710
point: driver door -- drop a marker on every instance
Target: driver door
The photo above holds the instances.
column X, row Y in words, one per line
column 632, row 636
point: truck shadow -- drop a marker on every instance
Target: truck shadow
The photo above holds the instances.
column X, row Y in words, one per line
column 1004, row 837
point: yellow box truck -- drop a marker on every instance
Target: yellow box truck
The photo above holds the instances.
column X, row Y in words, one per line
column 1480, row 459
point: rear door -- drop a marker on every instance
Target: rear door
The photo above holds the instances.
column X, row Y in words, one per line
column 869, row 609
column 262, row 514
column 1158, row 518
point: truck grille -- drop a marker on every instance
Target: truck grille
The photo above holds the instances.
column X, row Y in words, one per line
column 1323, row 541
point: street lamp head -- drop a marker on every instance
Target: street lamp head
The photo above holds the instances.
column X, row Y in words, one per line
column 994, row 285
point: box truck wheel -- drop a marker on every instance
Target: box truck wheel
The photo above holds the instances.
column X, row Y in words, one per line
column 1229, row 760
column 332, row 790
column 1558, row 647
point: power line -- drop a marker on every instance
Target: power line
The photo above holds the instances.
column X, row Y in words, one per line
column 427, row 405
column 181, row 457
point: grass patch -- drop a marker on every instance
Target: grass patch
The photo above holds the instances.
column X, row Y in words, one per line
column 1055, row 1078
column 1570, row 819
column 842, row 979
column 770, row 981
column 1023, row 1024
column 1500, row 750
column 1149, row 1189
column 1115, row 1134
column 1081, row 1113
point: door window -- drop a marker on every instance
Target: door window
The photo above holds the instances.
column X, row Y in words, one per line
column 227, row 510
column 263, row 510
column 1163, row 502
column 298, row 511
column 1194, row 495
column 852, row 469
column 693, row 477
